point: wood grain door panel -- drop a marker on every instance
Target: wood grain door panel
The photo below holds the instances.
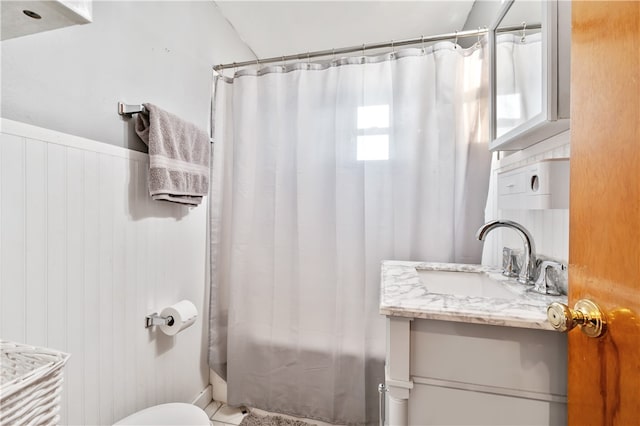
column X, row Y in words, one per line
column 604, row 373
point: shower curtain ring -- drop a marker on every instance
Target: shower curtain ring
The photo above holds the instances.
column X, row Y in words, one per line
column 479, row 29
column 524, row 32
column 284, row 64
column 422, row 40
column 455, row 41
column 333, row 50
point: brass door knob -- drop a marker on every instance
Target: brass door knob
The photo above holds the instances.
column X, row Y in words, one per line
column 585, row 313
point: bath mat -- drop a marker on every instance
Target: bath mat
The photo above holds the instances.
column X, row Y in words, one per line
column 253, row 419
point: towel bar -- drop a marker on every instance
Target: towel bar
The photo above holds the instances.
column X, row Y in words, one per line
column 128, row 110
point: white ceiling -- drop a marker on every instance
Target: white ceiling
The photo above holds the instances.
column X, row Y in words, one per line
column 277, row 28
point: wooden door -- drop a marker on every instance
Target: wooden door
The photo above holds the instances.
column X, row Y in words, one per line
column 604, row 373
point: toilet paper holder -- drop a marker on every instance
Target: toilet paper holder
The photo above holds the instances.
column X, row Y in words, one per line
column 173, row 319
column 155, row 319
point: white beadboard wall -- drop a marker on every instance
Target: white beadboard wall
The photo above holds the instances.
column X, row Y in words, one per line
column 85, row 254
column 550, row 228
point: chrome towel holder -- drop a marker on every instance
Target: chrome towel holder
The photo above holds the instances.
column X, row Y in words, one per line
column 128, row 109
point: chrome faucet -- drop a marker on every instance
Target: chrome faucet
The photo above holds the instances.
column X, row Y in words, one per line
column 527, row 271
column 543, row 284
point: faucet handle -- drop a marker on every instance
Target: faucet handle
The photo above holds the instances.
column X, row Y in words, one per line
column 542, row 284
column 511, row 264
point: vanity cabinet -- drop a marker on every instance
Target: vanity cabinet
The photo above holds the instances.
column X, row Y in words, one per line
column 467, row 345
column 444, row 372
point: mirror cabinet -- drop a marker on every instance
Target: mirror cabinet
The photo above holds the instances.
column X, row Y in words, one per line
column 530, row 72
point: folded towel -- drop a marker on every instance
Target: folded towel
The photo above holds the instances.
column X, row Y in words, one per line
column 178, row 156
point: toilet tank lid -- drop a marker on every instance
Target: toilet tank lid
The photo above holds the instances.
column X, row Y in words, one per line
column 176, row 413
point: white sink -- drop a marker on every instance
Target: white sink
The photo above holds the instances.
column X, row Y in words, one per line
column 465, row 284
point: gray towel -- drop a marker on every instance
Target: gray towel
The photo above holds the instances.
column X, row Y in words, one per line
column 178, row 156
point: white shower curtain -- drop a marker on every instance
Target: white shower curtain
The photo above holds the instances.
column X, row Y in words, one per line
column 320, row 172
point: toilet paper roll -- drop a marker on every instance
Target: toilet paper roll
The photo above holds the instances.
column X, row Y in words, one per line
column 184, row 314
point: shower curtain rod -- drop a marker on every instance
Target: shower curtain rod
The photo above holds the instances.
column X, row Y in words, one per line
column 351, row 49
column 372, row 46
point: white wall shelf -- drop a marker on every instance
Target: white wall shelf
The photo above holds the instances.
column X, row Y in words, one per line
column 20, row 18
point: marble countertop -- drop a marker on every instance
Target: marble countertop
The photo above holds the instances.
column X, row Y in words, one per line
column 404, row 294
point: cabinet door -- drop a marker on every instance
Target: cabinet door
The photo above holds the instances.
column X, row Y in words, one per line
column 486, row 375
column 434, row 405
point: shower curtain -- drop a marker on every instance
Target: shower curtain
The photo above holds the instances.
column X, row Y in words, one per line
column 321, row 171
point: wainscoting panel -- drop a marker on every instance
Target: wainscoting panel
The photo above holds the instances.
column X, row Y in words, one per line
column 85, row 254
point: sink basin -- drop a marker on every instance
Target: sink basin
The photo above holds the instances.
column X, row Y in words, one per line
column 464, row 284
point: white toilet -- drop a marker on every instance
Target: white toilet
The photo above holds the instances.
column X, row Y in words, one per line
column 176, row 413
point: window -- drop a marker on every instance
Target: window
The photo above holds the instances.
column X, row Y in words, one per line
column 373, row 133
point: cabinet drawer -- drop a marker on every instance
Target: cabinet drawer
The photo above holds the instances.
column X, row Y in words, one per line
column 506, row 357
column 511, row 183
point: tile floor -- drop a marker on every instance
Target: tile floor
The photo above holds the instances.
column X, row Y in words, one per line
column 222, row 415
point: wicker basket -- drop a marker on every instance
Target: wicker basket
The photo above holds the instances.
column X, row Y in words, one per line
column 30, row 384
